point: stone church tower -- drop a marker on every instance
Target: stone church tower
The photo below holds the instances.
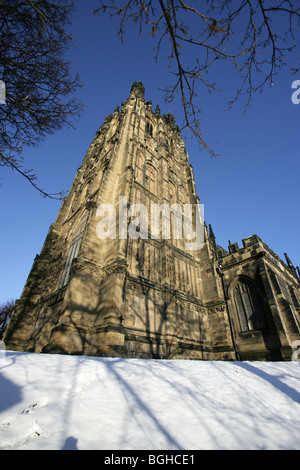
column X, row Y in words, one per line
column 130, row 269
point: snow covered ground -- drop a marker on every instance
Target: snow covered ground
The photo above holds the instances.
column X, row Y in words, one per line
column 76, row 402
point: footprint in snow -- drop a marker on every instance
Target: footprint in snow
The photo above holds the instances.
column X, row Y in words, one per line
column 32, row 408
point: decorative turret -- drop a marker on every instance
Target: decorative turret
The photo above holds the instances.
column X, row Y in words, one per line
column 157, row 111
column 169, row 119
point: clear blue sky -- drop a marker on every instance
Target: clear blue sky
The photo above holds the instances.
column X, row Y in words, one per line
column 253, row 188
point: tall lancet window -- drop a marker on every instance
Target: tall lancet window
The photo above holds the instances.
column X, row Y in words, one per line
column 249, row 306
column 150, row 178
column 73, row 250
column 149, row 128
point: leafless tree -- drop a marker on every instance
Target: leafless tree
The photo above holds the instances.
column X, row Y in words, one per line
column 255, row 36
column 6, row 309
column 37, row 78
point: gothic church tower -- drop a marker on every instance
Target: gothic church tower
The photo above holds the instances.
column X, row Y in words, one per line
column 104, row 282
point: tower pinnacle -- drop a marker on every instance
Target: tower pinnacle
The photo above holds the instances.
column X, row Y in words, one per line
column 138, row 89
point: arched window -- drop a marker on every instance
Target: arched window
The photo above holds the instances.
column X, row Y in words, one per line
column 249, row 306
column 149, row 128
column 73, row 250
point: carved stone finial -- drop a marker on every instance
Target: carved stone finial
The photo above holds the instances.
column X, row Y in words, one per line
column 290, row 264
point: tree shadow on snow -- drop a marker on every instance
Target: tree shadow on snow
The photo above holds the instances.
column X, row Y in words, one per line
column 10, row 393
column 132, row 395
column 273, row 380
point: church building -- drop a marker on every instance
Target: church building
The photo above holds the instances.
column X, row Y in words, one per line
column 130, row 269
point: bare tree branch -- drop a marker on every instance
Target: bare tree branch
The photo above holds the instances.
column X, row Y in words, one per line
column 36, row 76
column 6, row 309
column 255, row 36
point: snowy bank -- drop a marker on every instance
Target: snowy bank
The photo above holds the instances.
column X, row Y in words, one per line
column 76, row 402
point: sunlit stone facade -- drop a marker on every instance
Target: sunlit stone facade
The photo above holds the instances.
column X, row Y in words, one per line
column 109, row 282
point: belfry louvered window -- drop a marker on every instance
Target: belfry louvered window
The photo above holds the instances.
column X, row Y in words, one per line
column 249, row 307
column 73, row 250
